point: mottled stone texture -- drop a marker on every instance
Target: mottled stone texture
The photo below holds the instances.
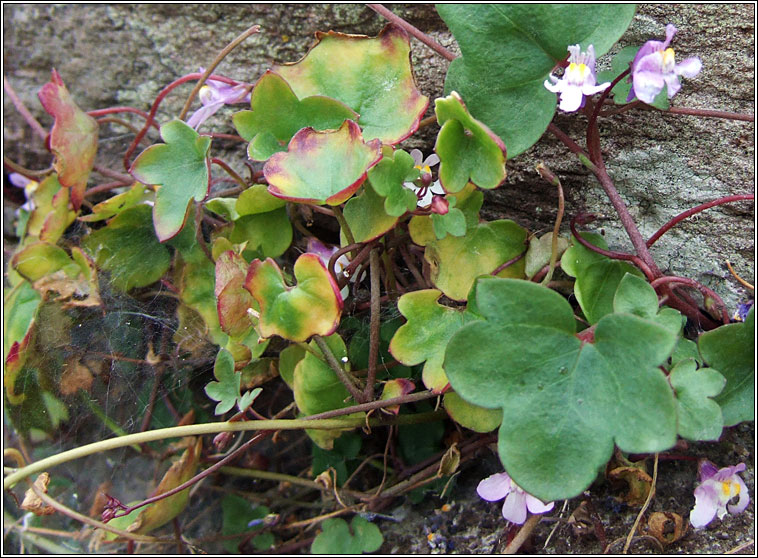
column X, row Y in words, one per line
column 663, row 164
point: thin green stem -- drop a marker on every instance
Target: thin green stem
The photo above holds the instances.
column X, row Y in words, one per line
column 343, row 225
column 548, row 175
column 215, row 428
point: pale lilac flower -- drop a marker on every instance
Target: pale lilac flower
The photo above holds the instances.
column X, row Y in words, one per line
column 717, row 488
column 214, row 94
column 578, row 79
column 499, row 486
column 325, row 252
column 654, row 66
column 425, row 189
column 29, row 186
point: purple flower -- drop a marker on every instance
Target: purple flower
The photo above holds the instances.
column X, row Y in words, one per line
column 578, row 80
column 29, row 186
column 499, row 486
column 743, row 309
column 717, row 488
column 325, row 252
column 426, row 189
column 654, row 66
column 214, row 94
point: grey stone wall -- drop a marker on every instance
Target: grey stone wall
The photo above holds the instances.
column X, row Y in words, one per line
column 124, row 54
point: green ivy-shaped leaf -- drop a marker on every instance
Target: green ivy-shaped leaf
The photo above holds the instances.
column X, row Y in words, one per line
column 424, row 337
column 295, row 313
column 337, row 537
column 730, row 349
column 181, row 169
column 277, row 115
column 73, row 139
column 128, row 249
column 698, row 416
column 471, row 416
column 468, row 150
column 366, row 216
column 564, row 403
column 266, row 235
column 634, row 295
column 116, row 204
column 226, row 390
column 508, row 52
column 370, row 75
column 39, row 259
column 620, row 91
column 456, row 261
column 257, row 199
column 388, row 177
column 597, row 276
column 322, row 167
column 451, row 223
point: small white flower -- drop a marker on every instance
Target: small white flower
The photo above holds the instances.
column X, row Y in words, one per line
column 426, row 191
column 578, row 80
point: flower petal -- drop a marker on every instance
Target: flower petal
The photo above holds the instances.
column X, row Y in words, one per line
column 744, row 497
column 647, row 85
column 494, row 487
column 556, row 87
column 514, row 508
column 430, row 161
column 689, row 67
column 417, row 156
column 706, row 470
column 536, row 505
column 706, row 505
column 672, row 84
column 571, row 99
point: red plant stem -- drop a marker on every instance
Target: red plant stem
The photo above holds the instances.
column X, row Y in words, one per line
column 216, row 61
column 706, row 113
column 702, row 207
column 116, row 110
column 413, row 31
column 232, row 137
column 158, row 100
column 374, row 325
column 23, row 111
column 695, row 285
column 197, row 478
column 105, row 171
column 584, row 219
column 509, row 263
column 230, row 172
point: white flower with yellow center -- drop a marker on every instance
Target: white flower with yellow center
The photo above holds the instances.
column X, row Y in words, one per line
column 578, row 79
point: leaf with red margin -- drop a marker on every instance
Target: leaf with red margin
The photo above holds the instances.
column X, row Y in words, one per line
column 20, row 311
column 371, row 75
column 232, row 298
column 277, row 115
column 181, row 167
column 322, row 167
column 313, row 307
column 73, row 139
column 396, row 388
